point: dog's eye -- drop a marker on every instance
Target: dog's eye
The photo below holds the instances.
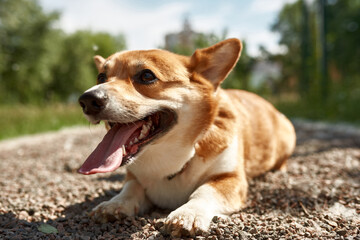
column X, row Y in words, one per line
column 146, row 77
column 101, row 78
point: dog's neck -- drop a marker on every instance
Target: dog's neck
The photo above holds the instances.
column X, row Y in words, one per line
column 171, row 176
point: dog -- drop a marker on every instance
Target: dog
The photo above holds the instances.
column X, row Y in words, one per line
column 187, row 144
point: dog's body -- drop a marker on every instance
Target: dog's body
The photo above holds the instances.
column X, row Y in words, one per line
column 200, row 143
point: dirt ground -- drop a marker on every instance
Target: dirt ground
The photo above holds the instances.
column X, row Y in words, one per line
column 42, row 196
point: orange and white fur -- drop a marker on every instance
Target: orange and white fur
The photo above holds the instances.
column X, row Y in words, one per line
column 205, row 145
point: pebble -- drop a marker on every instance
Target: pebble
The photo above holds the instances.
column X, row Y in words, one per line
column 331, row 223
column 23, row 215
column 159, row 224
column 341, row 232
column 143, row 221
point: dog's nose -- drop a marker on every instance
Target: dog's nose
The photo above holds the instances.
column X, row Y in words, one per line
column 93, row 102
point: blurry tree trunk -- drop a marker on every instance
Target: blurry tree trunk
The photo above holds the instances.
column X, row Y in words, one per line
column 323, row 44
column 305, row 50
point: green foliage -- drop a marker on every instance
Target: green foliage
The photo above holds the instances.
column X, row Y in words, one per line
column 240, row 76
column 29, row 119
column 46, row 228
column 24, row 67
column 342, row 35
column 341, row 106
column 343, row 20
column 288, row 24
column 76, row 71
column 39, row 63
column 299, row 27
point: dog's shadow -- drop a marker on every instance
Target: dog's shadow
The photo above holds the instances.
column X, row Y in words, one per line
column 75, row 222
column 90, row 202
column 125, row 228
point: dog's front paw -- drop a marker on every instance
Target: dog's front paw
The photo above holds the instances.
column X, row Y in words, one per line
column 188, row 221
column 113, row 210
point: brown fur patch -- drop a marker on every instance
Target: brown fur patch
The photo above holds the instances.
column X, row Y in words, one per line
column 232, row 187
column 268, row 137
column 221, row 131
column 215, row 63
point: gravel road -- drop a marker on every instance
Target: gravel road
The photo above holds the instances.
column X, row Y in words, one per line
column 42, row 196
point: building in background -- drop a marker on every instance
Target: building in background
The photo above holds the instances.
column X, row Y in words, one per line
column 265, row 74
column 185, row 38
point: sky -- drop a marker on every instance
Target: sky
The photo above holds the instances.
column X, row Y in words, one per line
column 145, row 23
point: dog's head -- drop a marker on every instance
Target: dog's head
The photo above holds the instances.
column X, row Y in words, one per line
column 149, row 97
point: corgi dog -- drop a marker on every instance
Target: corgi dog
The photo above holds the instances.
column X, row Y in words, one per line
column 188, row 145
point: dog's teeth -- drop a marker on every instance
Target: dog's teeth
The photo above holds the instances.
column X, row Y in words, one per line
column 124, row 150
column 136, row 140
column 141, row 135
column 144, row 129
column 149, row 123
column 131, row 143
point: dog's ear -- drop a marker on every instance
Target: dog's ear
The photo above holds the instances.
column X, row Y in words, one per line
column 215, row 63
column 99, row 62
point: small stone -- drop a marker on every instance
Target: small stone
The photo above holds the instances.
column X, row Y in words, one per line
column 215, row 219
column 331, row 223
column 143, row 221
column 163, row 230
column 219, row 231
column 23, row 215
column 31, row 211
column 84, row 237
column 221, row 225
column 159, row 224
column 84, row 220
column 253, row 231
column 341, row 232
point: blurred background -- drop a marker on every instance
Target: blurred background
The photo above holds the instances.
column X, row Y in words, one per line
column 302, row 55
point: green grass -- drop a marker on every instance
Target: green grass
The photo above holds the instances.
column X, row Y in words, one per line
column 16, row 120
column 331, row 111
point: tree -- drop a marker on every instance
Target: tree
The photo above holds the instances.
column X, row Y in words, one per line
column 39, row 63
column 341, row 40
column 343, row 37
column 240, row 76
column 26, row 56
column 289, row 26
column 330, row 29
column 76, row 70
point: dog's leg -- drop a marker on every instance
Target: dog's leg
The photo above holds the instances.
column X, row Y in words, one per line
column 130, row 201
column 222, row 194
column 281, row 164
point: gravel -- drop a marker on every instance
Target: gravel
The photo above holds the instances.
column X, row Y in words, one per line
column 318, row 197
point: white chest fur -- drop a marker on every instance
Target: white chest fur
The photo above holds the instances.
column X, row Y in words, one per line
column 155, row 165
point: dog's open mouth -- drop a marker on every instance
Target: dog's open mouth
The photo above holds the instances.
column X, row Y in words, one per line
column 124, row 140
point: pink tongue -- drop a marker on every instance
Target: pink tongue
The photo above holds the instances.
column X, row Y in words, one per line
column 108, row 154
